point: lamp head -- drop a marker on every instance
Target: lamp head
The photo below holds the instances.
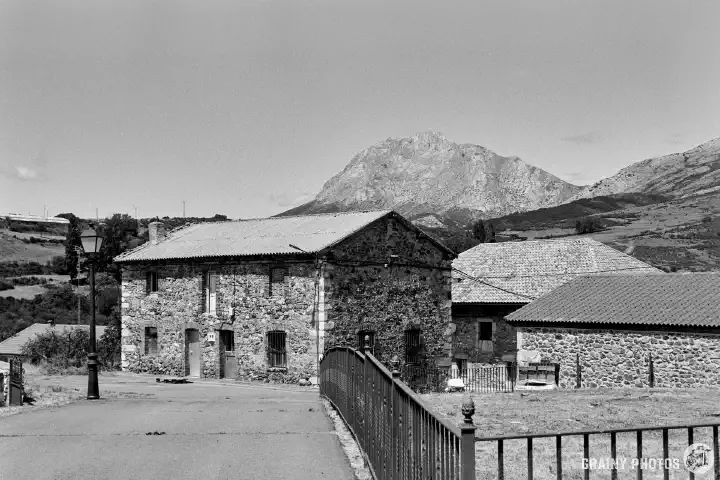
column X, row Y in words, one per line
column 91, row 241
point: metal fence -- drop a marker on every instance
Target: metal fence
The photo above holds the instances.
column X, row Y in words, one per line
column 640, row 450
column 399, row 436
column 486, row 379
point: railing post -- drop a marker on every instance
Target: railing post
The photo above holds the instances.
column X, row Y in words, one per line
column 467, row 441
column 394, row 427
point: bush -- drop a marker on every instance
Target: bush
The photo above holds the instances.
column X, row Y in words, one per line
column 588, row 225
column 65, row 353
column 5, row 285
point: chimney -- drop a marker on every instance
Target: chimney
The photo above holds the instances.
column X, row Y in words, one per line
column 156, row 231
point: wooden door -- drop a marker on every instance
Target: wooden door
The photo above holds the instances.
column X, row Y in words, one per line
column 193, row 346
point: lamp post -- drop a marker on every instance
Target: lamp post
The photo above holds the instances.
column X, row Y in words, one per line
column 91, row 243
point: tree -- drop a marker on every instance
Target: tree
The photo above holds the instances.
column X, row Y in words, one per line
column 483, row 231
column 489, row 232
column 72, row 244
column 588, row 225
column 478, row 230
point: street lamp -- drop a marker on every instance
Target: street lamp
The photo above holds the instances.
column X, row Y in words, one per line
column 91, row 243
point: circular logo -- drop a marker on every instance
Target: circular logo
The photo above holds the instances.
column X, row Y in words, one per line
column 697, row 458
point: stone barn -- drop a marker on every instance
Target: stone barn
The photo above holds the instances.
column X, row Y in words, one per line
column 625, row 330
column 493, row 280
column 266, row 297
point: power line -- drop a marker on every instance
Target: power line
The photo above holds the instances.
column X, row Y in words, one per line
column 475, row 279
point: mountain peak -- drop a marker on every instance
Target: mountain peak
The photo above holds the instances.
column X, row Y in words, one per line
column 429, row 174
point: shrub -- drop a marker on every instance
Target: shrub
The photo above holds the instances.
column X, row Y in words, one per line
column 5, row 285
column 588, row 225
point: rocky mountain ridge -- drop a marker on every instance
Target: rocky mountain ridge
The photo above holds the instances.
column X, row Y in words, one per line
column 677, row 175
column 435, row 181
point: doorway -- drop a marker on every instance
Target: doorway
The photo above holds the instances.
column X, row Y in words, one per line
column 228, row 364
column 192, row 352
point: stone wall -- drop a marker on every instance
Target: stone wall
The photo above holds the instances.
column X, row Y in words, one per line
column 620, row 358
column 504, row 336
column 369, row 289
column 179, row 304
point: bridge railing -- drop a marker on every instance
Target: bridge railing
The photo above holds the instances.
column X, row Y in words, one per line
column 400, row 437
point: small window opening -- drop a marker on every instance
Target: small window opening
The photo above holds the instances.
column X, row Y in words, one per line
column 277, row 354
column 371, row 340
column 485, row 331
column 151, row 340
column 151, row 280
column 277, row 280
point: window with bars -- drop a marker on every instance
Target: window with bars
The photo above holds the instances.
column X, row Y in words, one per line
column 371, row 340
column 277, row 280
column 276, row 352
column 412, row 346
column 151, row 282
column 227, row 338
column 151, row 341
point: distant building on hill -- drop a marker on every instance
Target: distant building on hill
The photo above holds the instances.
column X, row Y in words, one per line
column 34, row 224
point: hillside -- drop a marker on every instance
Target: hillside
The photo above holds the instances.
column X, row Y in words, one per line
column 679, row 234
column 438, row 183
column 20, row 247
column 676, row 175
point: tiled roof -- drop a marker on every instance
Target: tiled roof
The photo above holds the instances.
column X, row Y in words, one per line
column 673, row 299
column 15, row 344
column 523, row 271
column 264, row 236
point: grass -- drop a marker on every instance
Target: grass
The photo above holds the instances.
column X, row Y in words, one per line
column 578, row 410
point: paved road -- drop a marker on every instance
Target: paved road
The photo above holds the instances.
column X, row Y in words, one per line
column 212, row 431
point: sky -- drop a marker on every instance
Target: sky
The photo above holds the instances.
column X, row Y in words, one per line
column 246, row 108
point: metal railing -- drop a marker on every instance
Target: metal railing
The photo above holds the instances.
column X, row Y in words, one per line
column 646, row 456
column 486, row 379
column 399, row 436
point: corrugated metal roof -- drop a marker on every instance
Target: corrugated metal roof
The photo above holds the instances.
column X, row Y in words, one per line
column 533, row 268
column 15, row 344
column 672, row 299
column 263, row 236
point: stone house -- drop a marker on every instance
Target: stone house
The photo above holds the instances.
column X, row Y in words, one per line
column 268, row 296
column 618, row 326
column 493, row 280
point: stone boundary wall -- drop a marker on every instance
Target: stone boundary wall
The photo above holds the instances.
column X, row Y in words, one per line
column 620, row 358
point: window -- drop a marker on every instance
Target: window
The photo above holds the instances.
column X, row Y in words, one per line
column 484, row 330
column 412, row 346
column 151, row 340
column 227, row 339
column 277, row 280
column 209, row 288
column 277, row 355
column 151, row 282
column 371, row 339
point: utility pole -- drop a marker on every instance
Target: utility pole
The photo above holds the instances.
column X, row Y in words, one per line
column 183, row 208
